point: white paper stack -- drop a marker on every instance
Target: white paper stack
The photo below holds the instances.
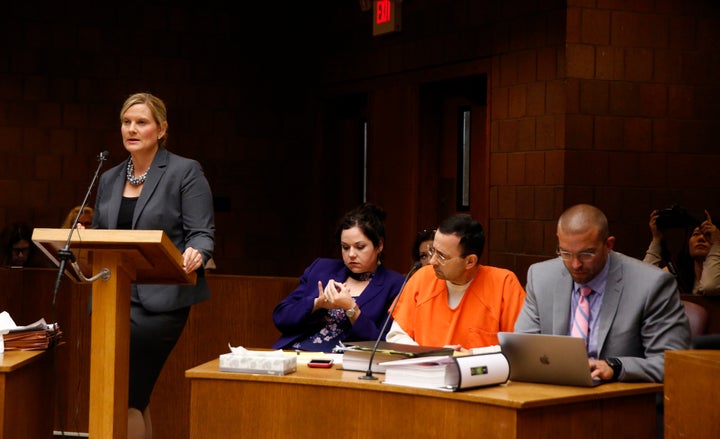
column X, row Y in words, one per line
column 450, row 373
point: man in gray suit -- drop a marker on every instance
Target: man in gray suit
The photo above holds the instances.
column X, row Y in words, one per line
column 635, row 313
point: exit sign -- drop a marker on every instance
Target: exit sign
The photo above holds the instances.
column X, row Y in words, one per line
column 386, row 16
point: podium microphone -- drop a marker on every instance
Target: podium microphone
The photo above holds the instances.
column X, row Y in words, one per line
column 368, row 374
column 65, row 254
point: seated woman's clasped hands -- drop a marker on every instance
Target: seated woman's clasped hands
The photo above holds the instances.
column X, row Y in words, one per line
column 334, row 295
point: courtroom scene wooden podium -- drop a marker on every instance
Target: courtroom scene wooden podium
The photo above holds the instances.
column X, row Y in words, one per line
column 128, row 257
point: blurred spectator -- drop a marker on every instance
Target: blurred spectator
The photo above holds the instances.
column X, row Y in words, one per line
column 698, row 263
column 18, row 248
column 423, row 242
column 85, row 220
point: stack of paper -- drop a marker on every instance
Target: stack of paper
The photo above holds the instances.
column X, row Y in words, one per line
column 449, row 373
column 436, row 372
column 38, row 335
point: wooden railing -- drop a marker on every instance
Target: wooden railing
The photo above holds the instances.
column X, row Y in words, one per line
column 238, row 313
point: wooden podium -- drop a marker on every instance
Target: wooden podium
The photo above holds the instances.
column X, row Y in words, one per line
column 130, row 256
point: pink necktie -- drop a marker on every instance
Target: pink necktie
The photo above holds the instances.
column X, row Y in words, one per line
column 581, row 321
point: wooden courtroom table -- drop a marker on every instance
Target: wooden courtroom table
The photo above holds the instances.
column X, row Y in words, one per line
column 692, row 394
column 316, row 403
column 26, row 394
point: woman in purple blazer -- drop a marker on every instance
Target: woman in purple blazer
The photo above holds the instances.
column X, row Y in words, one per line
column 344, row 299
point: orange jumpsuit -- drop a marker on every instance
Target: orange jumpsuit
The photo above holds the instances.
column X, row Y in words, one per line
column 490, row 304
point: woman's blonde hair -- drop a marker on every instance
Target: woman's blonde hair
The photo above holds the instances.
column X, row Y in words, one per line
column 74, row 213
column 156, row 106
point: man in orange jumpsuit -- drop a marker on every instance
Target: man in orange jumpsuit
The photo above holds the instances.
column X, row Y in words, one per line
column 455, row 301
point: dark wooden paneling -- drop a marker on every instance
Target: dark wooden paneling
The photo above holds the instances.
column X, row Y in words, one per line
column 27, row 295
column 238, row 313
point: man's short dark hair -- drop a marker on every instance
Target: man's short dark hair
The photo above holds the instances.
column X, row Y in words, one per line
column 470, row 231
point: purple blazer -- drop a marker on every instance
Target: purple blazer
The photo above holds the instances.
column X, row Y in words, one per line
column 293, row 316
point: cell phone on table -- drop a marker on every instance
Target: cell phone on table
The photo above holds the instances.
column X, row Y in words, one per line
column 320, row 362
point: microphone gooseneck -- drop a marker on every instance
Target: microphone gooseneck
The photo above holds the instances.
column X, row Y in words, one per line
column 65, row 254
column 368, row 374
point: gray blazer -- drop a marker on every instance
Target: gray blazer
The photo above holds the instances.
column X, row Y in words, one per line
column 177, row 199
column 641, row 314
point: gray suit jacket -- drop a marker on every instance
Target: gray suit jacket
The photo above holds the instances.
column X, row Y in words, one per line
column 175, row 198
column 641, row 314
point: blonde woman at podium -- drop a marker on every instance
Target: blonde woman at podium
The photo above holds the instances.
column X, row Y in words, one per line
column 154, row 189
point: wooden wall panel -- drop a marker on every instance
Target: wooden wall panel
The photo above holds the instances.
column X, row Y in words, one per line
column 238, row 313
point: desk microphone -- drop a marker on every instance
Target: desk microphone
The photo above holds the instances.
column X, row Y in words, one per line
column 65, row 254
column 368, row 374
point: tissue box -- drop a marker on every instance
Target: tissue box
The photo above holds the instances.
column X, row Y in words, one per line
column 263, row 364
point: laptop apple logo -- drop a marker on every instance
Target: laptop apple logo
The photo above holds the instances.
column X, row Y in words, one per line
column 544, row 359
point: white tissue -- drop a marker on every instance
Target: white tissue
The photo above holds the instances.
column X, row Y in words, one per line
column 263, row 362
column 242, row 351
column 6, row 324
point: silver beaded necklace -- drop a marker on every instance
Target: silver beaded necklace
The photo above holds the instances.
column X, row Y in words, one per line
column 130, row 176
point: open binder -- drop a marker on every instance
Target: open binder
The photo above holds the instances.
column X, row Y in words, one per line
column 356, row 355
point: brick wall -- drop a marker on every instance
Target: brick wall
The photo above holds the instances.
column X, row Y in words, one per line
column 592, row 101
column 621, row 114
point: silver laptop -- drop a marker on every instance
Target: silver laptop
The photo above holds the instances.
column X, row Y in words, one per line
column 549, row 359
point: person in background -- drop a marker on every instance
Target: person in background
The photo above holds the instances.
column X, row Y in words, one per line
column 455, row 301
column 423, row 242
column 635, row 313
column 155, row 189
column 698, row 262
column 343, row 299
column 85, row 220
column 18, row 248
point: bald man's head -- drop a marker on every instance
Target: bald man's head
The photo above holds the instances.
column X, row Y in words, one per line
column 583, row 218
